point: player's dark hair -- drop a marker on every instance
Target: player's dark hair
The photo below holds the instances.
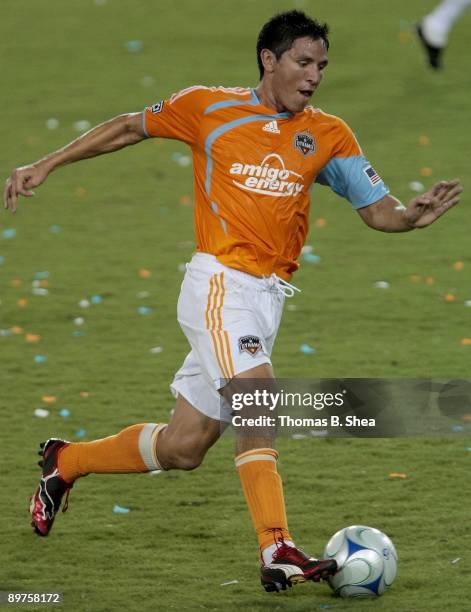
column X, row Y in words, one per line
column 279, row 34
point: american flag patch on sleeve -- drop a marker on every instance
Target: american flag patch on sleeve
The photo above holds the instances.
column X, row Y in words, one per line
column 373, row 177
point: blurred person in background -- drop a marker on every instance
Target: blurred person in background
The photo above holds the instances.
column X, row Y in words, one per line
column 433, row 29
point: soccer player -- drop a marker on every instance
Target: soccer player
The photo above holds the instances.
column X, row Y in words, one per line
column 256, row 152
column 434, row 28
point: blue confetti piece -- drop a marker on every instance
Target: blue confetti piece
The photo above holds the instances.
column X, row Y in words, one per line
column 40, row 358
column 64, row 412
column 120, row 510
column 134, row 46
column 2, row 260
column 41, row 275
column 144, row 310
column 9, row 233
column 457, row 428
column 78, row 333
column 311, row 258
column 96, row 299
column 54, row 229
column 176, row 156
column 80, row 433
column 307, row 349
column 469, row 449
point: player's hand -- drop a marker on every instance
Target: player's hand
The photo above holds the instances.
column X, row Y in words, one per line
column 428, row 207
column 21, row 182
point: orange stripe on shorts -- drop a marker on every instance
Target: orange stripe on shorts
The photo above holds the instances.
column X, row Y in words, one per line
column 211, row 322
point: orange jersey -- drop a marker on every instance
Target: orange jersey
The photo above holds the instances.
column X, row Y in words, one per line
column 253, row 169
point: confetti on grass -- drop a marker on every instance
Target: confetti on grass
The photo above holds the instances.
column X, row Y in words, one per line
column 120, row 509
column 307, row 349
column 42, row 413
column 49, row 399
column 32, row 338
column 397, row 476
column 229, row 582
column 144, row 310
column 134, row 46
column 416, row 186
column 311, row 258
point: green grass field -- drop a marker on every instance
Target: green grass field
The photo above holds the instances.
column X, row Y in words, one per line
column 93, row 226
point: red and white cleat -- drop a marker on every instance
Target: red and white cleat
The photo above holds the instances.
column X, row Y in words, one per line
column 47, row 499
column 290, row 566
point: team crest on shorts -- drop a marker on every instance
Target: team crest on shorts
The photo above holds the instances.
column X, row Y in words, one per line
column 304, row 142
column 250, row 344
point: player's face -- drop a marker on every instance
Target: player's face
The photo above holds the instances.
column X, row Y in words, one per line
column 298, row 73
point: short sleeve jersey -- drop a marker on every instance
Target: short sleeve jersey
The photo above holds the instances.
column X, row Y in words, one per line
column 253, row 169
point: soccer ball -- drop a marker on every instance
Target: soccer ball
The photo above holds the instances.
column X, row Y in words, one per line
column 366, row 558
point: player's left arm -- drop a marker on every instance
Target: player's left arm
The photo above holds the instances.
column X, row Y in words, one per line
column 389, row 215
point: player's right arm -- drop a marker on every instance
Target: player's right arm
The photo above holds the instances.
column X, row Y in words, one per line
column 107, row 137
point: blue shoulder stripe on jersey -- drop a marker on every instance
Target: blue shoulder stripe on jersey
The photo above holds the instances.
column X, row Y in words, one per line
column 144, row 123
column 348, row 178
column 232, row 102
column 225, row 127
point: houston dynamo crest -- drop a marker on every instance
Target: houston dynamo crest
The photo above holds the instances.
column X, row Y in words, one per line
column 304, row 142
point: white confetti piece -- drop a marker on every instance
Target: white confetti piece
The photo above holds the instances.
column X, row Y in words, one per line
column 52, row 123
column 42, row 413
column 147, row 81
column 82, row 126
column 184, row 161
column 416, row 186
column 79, row 321
column 381, row 285
column 156, row 349
column 39, row 291
column 229, row 582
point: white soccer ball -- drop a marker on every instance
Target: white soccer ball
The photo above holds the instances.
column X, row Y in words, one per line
column 367, row 561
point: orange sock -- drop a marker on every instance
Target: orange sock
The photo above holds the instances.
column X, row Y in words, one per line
column 130, row 450
column 263, row 490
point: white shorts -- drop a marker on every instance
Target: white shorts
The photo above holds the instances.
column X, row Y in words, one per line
column 230, row 319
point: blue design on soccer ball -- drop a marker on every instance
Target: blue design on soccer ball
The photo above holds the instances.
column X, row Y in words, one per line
column 353, row 547
column 373, row 586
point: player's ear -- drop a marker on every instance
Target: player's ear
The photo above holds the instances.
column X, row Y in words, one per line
column 268, row 60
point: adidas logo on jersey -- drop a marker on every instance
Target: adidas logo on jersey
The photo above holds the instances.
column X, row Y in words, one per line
column 272, row 127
